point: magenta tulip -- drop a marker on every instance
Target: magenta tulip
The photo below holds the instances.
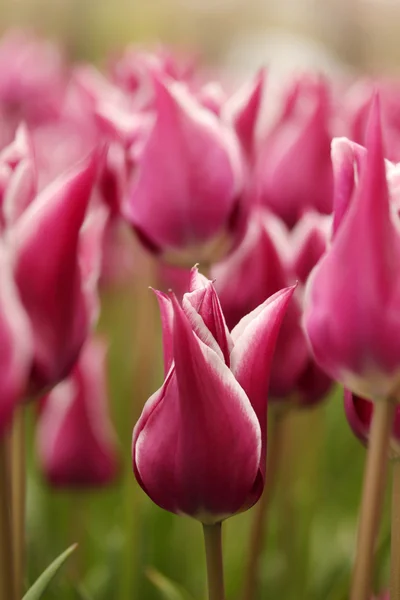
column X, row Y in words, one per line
column 259, row 267
column 293, row 172
column 353, row 297
column 199, row 446
column 188, row 183
column 75, row 438
column 46, row 243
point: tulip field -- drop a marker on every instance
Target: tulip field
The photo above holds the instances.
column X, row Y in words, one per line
column 200, row 330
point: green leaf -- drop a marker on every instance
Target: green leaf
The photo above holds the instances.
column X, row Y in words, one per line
column 40, row 585
column 170, row 590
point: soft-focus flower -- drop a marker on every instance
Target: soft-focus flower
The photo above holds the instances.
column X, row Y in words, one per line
column 359, row 413
column 258, row 268
column 46, row 242
column 18, row 177
column 199, row 446
column 353, row 298
column 15, row 336
column 32, row 79
column 75, row 439
column 188, row 181
column 293, row 171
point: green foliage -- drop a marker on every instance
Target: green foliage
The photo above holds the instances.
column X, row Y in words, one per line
column 41, row 584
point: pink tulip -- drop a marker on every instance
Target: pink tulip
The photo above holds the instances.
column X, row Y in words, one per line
column 32, row 78
column 353, row 296
column 199, row 446
column 16, row 343
column 18, row 177
column 188, row 184
column 259, row 267
column 293, row 172
column 46, row 243
column 359, row 416
column 75, row 438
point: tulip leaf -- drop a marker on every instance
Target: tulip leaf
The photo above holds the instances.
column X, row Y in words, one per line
column 41, row 584
column 170, row 590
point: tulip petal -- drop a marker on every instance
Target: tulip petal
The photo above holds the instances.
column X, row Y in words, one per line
column 167, row 324
column 251, row 358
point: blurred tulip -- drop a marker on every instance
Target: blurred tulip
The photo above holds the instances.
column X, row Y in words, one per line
column 359, row 416
column 18, row 177
column 353, row 296
column 46, row 242
column 293, row 171
column 32, row 78
column 75, row 439
column 188, row 184
column 199, row 446
column 258, row 268
column 16, row 344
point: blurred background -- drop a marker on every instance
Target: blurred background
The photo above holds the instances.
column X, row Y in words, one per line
column 359, row 33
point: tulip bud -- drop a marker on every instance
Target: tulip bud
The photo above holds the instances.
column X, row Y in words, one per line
column 293, row 172
column 353, row 296
column 75, row 439
column 199, row 445
column 16, row 343
column 46, row 242
column 188, row 183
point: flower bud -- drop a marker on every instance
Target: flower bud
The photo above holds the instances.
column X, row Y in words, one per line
column 199, row 446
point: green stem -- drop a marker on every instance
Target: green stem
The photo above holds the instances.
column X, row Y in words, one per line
column 259, row 524
column 372, row 498
column 18, row 495
column 215, row 570
column 395, row 537
column 6, row 546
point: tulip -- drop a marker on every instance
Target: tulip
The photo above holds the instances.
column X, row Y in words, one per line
column 258, row 268
column 188, row 184
column 353, row 296
column 75, row 438
column 293, row 171
column 18, row 177
column 32, row 77
column 15, row 343
column 199, row 445
column 53, row 290
column 359, row 413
